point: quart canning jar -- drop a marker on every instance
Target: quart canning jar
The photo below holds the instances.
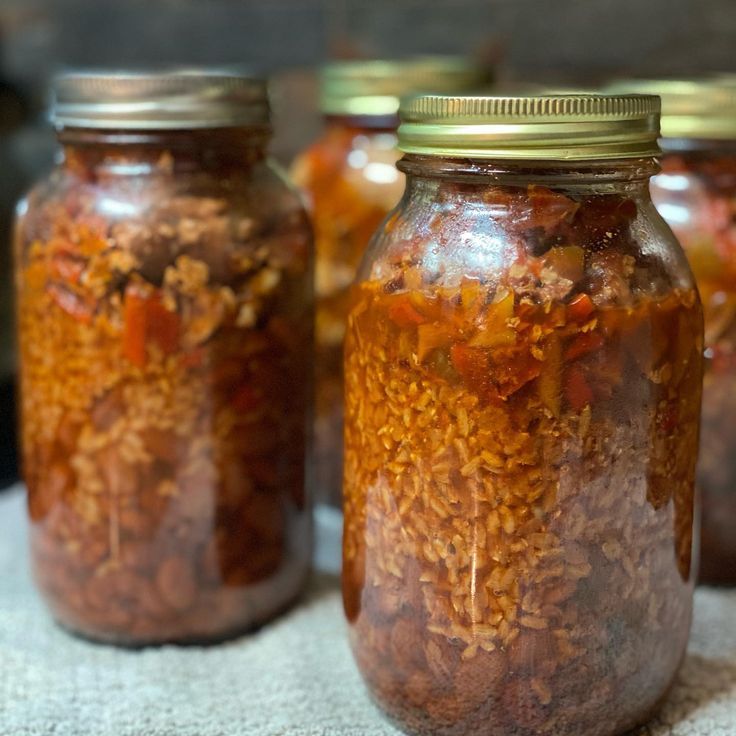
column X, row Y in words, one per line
column 351, row 182
column 696, row 194
column 164, row 292
column 523, row 371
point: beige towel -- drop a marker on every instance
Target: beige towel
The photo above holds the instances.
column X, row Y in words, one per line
column 294, row 677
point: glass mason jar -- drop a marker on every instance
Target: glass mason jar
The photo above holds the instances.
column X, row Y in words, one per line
column 164, row 295
column 696, row 194
column 350, row 179
column 523, row 369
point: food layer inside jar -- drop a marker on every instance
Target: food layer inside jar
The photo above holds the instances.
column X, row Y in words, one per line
column 696, row 194
column 164, row 331
column 351, row 183
column 522, row 407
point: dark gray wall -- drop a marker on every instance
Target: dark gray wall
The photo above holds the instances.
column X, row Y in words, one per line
column 560, row 41
column 571, row 37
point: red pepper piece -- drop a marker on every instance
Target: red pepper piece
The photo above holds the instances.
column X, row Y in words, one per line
column 580, row 308
column 147, row 320
column 134, row 331
column 577, row 390
column 583, row 344
column 514, row 373
column 473, row 365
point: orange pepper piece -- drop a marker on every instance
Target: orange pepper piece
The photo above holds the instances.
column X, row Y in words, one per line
column 404, row 314
column 431, row 336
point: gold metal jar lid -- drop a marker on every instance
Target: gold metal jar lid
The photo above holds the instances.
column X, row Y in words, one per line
column 180, row 99
column 374, row 88
column 534, row 127
column 691, row 108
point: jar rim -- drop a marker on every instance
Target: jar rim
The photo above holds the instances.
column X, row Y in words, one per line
column 176, row 99
column 531, row 127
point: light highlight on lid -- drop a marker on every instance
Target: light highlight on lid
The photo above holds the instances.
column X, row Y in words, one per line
column 179, row 99
column 542, row 127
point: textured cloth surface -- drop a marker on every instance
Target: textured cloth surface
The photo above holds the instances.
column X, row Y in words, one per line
column 295, row 676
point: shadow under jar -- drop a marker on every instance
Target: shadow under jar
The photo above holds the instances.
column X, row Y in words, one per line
column 350, row 180
column 523, row 375
column 696, row 194
column 164, row 298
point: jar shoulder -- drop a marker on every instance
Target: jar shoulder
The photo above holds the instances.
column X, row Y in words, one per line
column 232, row 221
column 261, row 189
column 543, row 243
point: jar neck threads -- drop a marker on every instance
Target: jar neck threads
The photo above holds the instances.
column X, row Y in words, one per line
column 219, row 149
column 610, row 175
